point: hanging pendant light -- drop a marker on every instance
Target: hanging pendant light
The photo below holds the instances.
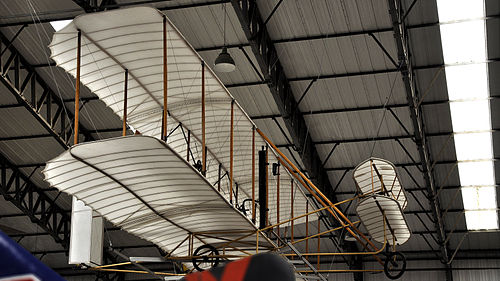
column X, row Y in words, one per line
column 224, row 62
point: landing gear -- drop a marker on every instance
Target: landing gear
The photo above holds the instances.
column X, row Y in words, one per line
column 205, row 257
column 395, row 265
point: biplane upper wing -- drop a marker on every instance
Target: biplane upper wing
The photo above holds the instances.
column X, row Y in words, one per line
column 375, row 175
column 132, row 39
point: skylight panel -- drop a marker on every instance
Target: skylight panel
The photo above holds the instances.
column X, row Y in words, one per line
column 59, row 24
column 476, row 173
column 453, row 10
column 481, row 220
column 477, row 198
column 467, row 82
column 463, row 38
column 470, row 116
column 473, row 146
column 463, row 42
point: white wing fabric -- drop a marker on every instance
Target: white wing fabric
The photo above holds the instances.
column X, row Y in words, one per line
column 141, row 185
column 375, row 175
column 132, row 39
column 371, row 211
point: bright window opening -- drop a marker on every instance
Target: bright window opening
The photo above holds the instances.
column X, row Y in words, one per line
column 463, row 42
column 463, row 38
column 479, row 198
column 473, row 146
column 481, row 220
column 476, row 173
column 467, row 82
column 453, row 10
column 470, row 116
column 60, row 24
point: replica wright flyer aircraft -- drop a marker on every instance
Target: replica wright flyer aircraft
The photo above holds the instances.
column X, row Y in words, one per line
column 197, row 181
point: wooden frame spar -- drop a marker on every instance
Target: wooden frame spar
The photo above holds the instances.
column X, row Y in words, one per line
column 239, row 245
column 320, row 197
column 248, row 251
column 77, row 86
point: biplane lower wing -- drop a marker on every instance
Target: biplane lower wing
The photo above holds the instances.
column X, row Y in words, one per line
column 384, row 219
column 141, row 185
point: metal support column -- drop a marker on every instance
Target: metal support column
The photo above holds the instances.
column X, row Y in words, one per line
column 270, row 65
column 406, row 68
column 27, row 197
column 262, row 187
column 267, row 57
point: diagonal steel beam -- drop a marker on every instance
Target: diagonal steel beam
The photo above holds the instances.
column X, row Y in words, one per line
column 267, row 58
column 33, row 202
column 405, row 60
column 405, row 164
column 87, row 5
column 57, row 117
column 18, row 189
column 279, row 85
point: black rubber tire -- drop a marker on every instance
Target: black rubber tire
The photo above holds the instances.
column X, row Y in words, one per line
column 211, row 250
column 388, row 261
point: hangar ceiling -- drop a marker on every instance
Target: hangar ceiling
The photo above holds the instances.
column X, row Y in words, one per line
column 333, row 71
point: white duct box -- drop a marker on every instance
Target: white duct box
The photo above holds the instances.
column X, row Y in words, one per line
column 86, row 237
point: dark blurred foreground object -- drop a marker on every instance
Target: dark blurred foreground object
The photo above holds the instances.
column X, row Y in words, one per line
column 17, row 264
column 260, row 267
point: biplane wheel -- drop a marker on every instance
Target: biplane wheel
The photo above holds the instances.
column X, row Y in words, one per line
column 395, row 265
column 204, row 257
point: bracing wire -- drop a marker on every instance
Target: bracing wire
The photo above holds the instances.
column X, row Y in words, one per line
column 36, row 20
column 384, row 112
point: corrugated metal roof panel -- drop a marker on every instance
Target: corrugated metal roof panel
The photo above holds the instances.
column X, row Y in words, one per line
column 256, row 100
column 450, row 199
column 95, row 116
column 429, row 90
column 203, row 26
column 356, row 125
column 492, row 7
column 335, row 55
column 346, row 185
column 408, row 182
column 171, row 3
column 351, row 154
column 5, row 97
column 476, row 240
column 350, row 92
column 293, row 18
column 414, row 205
column 430, row 275
column 422, row 12
column 21, row 10
column 40, row 243
column 426, row 46
column 21, row 224
column 437, row 118
column 441, row 177
column 492, row 30
column 476, row 275
column 18, row 122
column 269, row 127
column 29, row 151
column 441, row 148
column 8, row 208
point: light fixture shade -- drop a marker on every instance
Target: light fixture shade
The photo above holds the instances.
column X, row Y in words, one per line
column 224, row 62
